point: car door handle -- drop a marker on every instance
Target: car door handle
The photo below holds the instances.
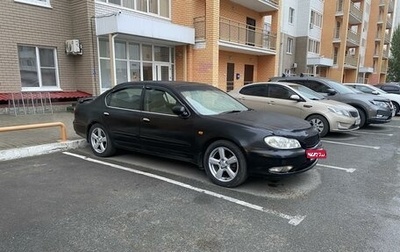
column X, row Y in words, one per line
column 307, row 106
column 106, row 113
column 144, row 119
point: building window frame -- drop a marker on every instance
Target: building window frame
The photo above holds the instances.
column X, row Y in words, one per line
column 291, row 15
column 161, row 8
column 37, row 65
column 289, row 46
column 40, row 3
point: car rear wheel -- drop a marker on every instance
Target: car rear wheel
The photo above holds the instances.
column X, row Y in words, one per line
column 320, row 123
column 363, row 118
column 100, row 141
column 225, row 164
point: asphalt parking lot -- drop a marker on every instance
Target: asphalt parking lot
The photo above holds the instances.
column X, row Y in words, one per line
column 73, row 201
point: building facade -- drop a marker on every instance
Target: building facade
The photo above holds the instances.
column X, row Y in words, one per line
column 87, row 47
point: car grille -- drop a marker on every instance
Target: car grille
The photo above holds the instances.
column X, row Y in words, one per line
column 311, row 141
column 354, row 113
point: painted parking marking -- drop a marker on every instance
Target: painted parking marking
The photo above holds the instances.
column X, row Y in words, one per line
column 372, row 133
column 392, row 126
column 293, row 220
column 354, row 145
column 349, row 170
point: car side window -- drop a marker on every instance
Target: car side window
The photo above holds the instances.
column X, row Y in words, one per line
column 275, row 91
column 364, row 89
column 316, row 86
column 159, row 101
column 255, row 90
column 128, row 98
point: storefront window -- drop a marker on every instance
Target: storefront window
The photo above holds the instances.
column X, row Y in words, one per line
column 147, row 52
column 161, row 54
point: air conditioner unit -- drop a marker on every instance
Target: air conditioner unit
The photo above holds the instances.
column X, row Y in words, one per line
column 73, row 47
column 294, row 65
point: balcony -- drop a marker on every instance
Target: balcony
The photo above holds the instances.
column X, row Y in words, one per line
column 259, row 5
column 238, row 37
column 355, row 16
column 391, row 6
column 387, row 38
column 353, row 39
column 389, row 22
column 350, row 61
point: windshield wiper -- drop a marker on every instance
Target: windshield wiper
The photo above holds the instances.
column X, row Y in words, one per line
column 232, row 111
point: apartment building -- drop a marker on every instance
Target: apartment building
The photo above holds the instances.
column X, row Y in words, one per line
column 345, row 40
column 300, row 38
column 77, row 48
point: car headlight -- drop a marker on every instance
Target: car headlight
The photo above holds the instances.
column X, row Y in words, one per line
column 379, row 103
column 342, row 112
column 282, row 142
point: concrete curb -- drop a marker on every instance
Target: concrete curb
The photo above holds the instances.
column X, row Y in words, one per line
column 41, row 149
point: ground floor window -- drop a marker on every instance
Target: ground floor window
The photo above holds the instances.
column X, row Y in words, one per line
column 38, row 68
column 135, row 62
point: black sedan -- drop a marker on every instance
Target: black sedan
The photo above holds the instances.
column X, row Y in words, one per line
column 197, row 123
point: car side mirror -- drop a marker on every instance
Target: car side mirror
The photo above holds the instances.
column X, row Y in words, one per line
column 295, row 97
column 375, row 92
column 331, row 91
column 180, row 111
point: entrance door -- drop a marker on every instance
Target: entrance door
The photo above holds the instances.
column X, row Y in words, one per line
column 230, row 76
column 248, row 74
column 251, row 34
column 162, row 72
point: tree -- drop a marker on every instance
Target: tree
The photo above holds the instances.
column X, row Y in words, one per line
column 394, row 60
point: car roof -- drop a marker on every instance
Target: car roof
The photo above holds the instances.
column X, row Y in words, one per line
column 167, row 84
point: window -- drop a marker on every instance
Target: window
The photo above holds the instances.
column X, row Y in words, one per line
column 255, row 90
column 291, row 15
column 38, row 68
column 128, row 98
column 159, row 101
column 289, row 46
column 157, row 7
column 276, row 91
column 43, row 3
column 315, row 19
column 313, row 46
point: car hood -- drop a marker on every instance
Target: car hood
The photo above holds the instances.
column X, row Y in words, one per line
column 337, row 104
column 274, row 122
column 354, row 96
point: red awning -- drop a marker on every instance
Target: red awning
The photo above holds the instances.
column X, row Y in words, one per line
column 52, row 95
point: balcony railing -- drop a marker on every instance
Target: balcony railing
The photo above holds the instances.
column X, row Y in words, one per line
column 353, row 37
column 355, row 12
column 387, row 38
column 243, row 34
column 350, row 60
column 236, row 32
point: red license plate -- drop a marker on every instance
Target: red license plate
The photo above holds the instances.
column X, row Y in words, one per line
column 313, row 154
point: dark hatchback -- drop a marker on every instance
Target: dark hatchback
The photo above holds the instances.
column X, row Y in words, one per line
column 197, row 123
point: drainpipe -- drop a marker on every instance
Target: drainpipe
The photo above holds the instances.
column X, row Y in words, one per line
column 113, row 73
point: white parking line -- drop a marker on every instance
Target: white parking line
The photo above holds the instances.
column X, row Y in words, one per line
column 392, row 126
column 350, row 170
column 371, row 133
column 293, row 220
column 354, row 145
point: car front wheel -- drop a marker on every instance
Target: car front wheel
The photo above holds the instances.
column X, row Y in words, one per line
column 319, row 123
column 225, row 164
column 100, row 141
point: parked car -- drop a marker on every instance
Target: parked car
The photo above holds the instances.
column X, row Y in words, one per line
column 372, row 109
column 393, row 88
column 300, row 101
column 370, row 89
column 197, row 123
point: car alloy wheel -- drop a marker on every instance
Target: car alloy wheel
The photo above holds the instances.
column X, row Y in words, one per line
column 319, row 123
column 100, row 141
column 225, row 164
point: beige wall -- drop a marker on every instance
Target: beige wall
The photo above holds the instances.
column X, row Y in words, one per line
column 38, row 26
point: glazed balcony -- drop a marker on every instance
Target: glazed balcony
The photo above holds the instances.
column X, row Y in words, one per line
column 259, row 5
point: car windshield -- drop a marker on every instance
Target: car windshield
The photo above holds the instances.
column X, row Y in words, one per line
column 356, row 90
column 212, row 102
column 341, row 89
column 307, row 92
